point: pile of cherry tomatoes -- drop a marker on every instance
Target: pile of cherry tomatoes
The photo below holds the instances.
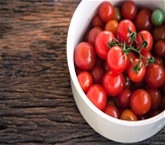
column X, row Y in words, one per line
column 120, row 63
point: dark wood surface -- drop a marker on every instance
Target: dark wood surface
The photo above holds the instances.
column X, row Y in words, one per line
column 36, row 102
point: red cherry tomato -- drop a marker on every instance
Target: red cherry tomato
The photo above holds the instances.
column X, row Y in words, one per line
column 101, row 43
column 106, row 11
column 159, row 48
column 124, row 97
column 97, row 73
column 84, row 56
column 129, row 10
column 112, row 111
column 147, row 55
column 155, row 98
column 148, row 41
column 93, row 33
column 136, row 70
column 143, row 20
column 155, row 75
column 159, row 32
column 128, row 115
column 97, row 22
column 140, row 102
column 113, row 83
column 116, row 59
column 85, row 80
column 123, row 31
column 97, row 96
column 128, row 82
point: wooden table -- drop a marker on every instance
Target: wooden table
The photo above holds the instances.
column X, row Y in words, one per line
column 36, row 102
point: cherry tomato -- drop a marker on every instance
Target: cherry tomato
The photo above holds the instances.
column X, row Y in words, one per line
column 143, row 20
column 128, row 82
column 157, row 17
column 155, row 98
column 159, row 48
column 85, row 80
column 130, row 57
column 159, row 32
column 124, row 97
column 97, row 22
column 136, row 70
column 117, row 14
column 140, row 102
column 147, row 55
column 97, row 96
column 97, row 73
column 111, row 25
column 112, row 110
column 155, row 75
column 106, row 11
column 93, row 33
column 123, row 31
column 113, row 83
column 128, row 115
column 116, row 59
column 144, row 37
column 101, row 43
column 129, row 10
column 84, row 56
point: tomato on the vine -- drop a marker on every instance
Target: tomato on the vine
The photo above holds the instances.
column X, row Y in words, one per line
column 140, row 102
column 113, row 83
column 101, row 43
column 97, row 96
column 124, row 30
column 144, row 41
column 136, row 70
column 116, row 59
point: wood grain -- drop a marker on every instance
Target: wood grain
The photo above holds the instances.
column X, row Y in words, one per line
column 36, row 102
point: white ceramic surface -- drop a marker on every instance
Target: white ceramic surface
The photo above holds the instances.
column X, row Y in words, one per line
column 109, row 127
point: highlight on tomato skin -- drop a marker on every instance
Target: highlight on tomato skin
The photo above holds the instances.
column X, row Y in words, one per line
column 97, row 96
column 140, row 102
column 120, row 62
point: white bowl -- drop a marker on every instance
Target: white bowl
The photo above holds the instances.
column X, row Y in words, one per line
column 109, row 127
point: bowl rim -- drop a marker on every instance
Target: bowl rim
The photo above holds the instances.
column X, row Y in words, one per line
column 74, row 79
